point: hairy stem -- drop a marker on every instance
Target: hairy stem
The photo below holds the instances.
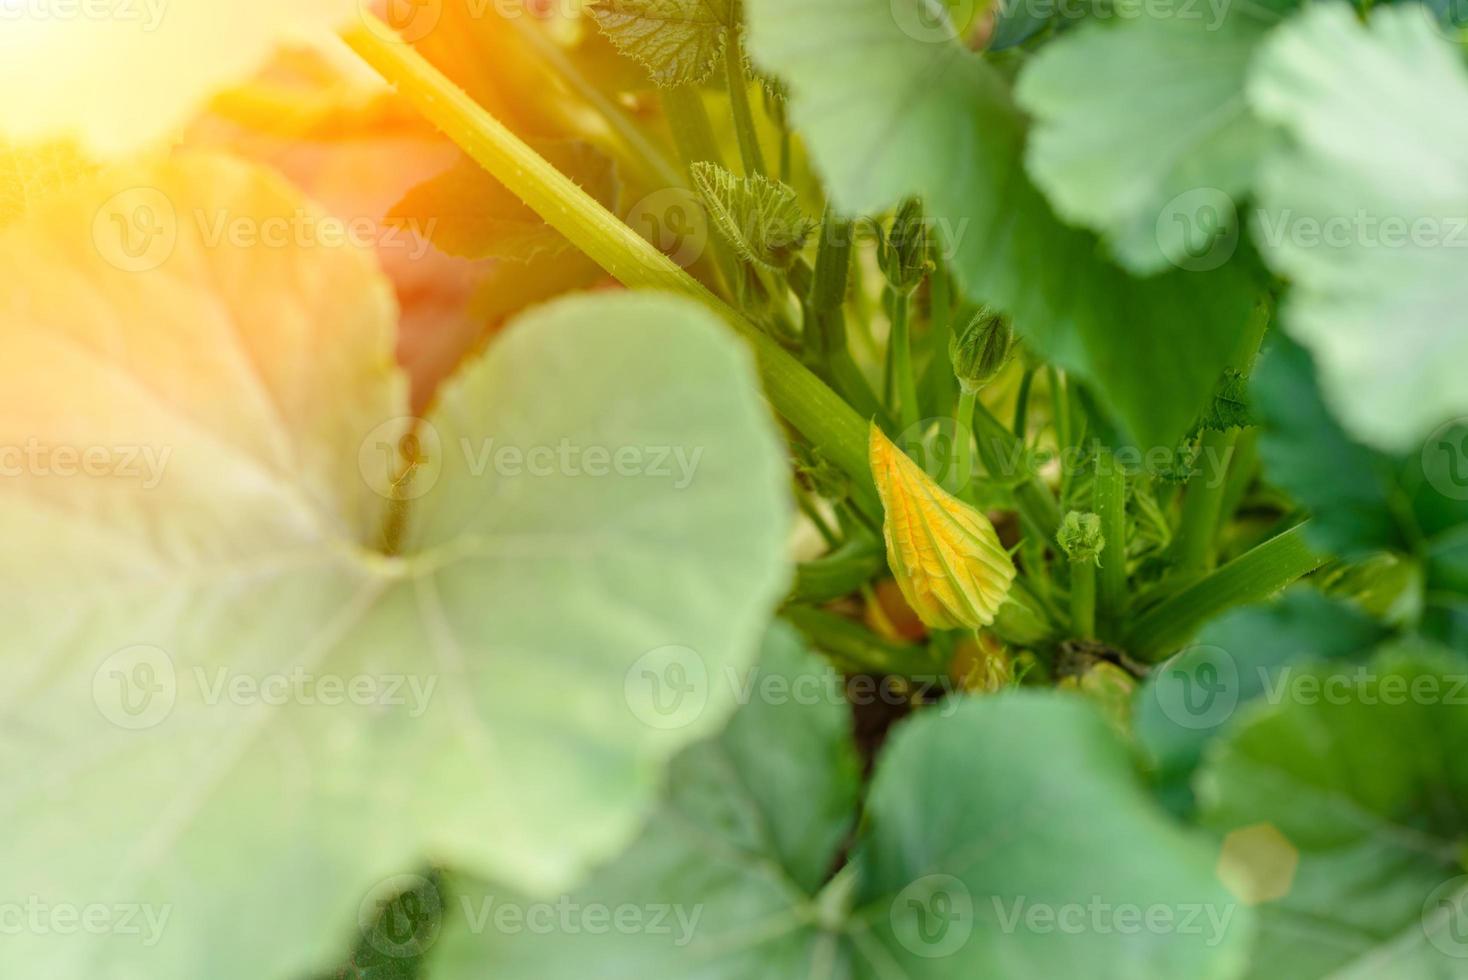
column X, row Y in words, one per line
column 738, row 83
column 1110, row 505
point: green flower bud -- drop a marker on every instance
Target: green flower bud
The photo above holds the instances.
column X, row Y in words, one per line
column 1080, row 537
column 904, row 255
column 980, row 350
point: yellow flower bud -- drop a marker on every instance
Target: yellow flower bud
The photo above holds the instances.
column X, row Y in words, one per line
column 945, row 555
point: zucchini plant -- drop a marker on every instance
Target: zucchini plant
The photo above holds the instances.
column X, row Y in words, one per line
column 731, row 488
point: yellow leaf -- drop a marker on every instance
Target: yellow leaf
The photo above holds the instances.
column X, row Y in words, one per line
column 117, row 77
column 945, row 555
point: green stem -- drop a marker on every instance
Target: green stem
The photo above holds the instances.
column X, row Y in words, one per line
column 639, row 149
column 900, row 351
column 856, row 649
column 1252, row 577
column 1202, row 504
column 999, row 451
column 938, row 381
column 1083, row 598
column 1242, row 470
column 1110, row 505
column 693, row 134
column 1022, row 404
column 797, row 394
column 963, row 432
column 738, row 84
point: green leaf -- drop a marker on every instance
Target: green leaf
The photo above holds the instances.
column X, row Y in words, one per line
column 954, row 877
column 1378, row 832
column 466, row 212
column 1016, row 837
column 1189, row 700
column 1362, row 500
column 888, row 114
column 248, row 712
column 1230, row 409
column 759, row 217
column 752, row 821
column 1365, row 212
column 1143, row 132
column 1349, row 489
column 678, row 41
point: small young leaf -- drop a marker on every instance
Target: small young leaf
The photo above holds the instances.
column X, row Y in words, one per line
column 677, row 40
column 759, row 217
column 466, row 212
column 945, row 555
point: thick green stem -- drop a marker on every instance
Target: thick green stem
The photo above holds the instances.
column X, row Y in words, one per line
column 900, row 352
column 797, row 394
column 738, row 83
column 1202, row 503
column 826, row 304
column 1252, row 577
column 1083, row 598
column 1110, row 505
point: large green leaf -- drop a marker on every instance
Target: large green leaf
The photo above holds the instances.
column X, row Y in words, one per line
column 1143, row 133
column 987, row 853
column 1189, row 700
column 889, row 114
column 247, row 711
column 1362, row 778
column 752, row 822
column 1364, row 501
column 1366, row 211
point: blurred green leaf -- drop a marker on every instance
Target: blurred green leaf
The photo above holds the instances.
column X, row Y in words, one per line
column 1190, row 700
column 952, row 877
column 1365, row 210
column 891, row 106
column 1343, row 802
column 1143, row 133
column 527, row 598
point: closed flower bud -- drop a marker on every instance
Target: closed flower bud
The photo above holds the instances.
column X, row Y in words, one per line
column 904, row 255
column 1080, row 537
column 981, row 350
column 945, row 555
